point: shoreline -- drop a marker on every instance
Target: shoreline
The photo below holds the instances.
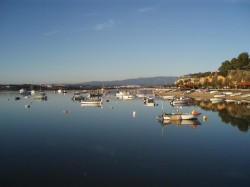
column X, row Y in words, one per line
column 206, row 95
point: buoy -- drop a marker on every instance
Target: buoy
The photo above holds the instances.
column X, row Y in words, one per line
column 111, row 107
column 204, row 118
column 27, row 106
column 134, row 113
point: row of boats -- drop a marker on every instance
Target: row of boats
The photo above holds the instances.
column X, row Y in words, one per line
column 221, row 97
column 97, row 100
column 149, row 101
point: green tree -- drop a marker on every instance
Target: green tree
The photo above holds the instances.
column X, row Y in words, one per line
column 243, row 59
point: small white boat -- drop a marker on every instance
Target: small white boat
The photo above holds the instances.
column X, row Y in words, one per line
column 149, row 101
column 129, row 96
column 213, row 92
column 179, row 101
column 228, row 93
column 41, row 95
column 230, row 100
column 236, row 94
column 245, row 95
column 219, row 95
column 217, row 99
column 120, row 94
column 91, row 102
column 22, row 91
column 177, row 116
column 169, row 97
column 78, row 97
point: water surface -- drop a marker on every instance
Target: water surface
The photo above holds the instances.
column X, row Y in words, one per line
column 106, row 146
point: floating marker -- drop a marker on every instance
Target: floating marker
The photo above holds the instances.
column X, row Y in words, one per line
column 134, row 113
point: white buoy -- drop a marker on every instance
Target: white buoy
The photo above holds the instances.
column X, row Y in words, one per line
column 134, row 113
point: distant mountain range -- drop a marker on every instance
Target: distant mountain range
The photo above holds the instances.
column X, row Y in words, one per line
column 148, row 81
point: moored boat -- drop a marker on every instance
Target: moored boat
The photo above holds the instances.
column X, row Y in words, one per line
column 91, row 102
column 179, row 101
column 178, row 116
column 217, row 99
column 149, row 101
column 169, row 97
column 219, row 95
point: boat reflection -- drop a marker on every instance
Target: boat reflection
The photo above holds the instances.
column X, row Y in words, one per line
column 192, row 123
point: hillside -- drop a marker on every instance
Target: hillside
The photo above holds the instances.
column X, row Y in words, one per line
column 148, row 81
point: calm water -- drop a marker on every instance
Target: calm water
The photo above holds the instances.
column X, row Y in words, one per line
column 93, row 146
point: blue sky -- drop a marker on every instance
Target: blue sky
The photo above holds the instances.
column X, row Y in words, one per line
column 72, row 41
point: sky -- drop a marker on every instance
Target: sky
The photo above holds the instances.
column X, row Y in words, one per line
column 74, row 41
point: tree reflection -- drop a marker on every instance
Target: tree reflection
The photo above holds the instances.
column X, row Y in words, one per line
column 237, row 115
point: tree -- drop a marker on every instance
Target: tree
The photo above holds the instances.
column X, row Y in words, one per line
column 243, row 59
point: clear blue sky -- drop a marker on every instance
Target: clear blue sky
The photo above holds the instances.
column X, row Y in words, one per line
column 72, row 41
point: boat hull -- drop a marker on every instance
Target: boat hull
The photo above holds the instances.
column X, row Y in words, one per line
column 179, row 116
